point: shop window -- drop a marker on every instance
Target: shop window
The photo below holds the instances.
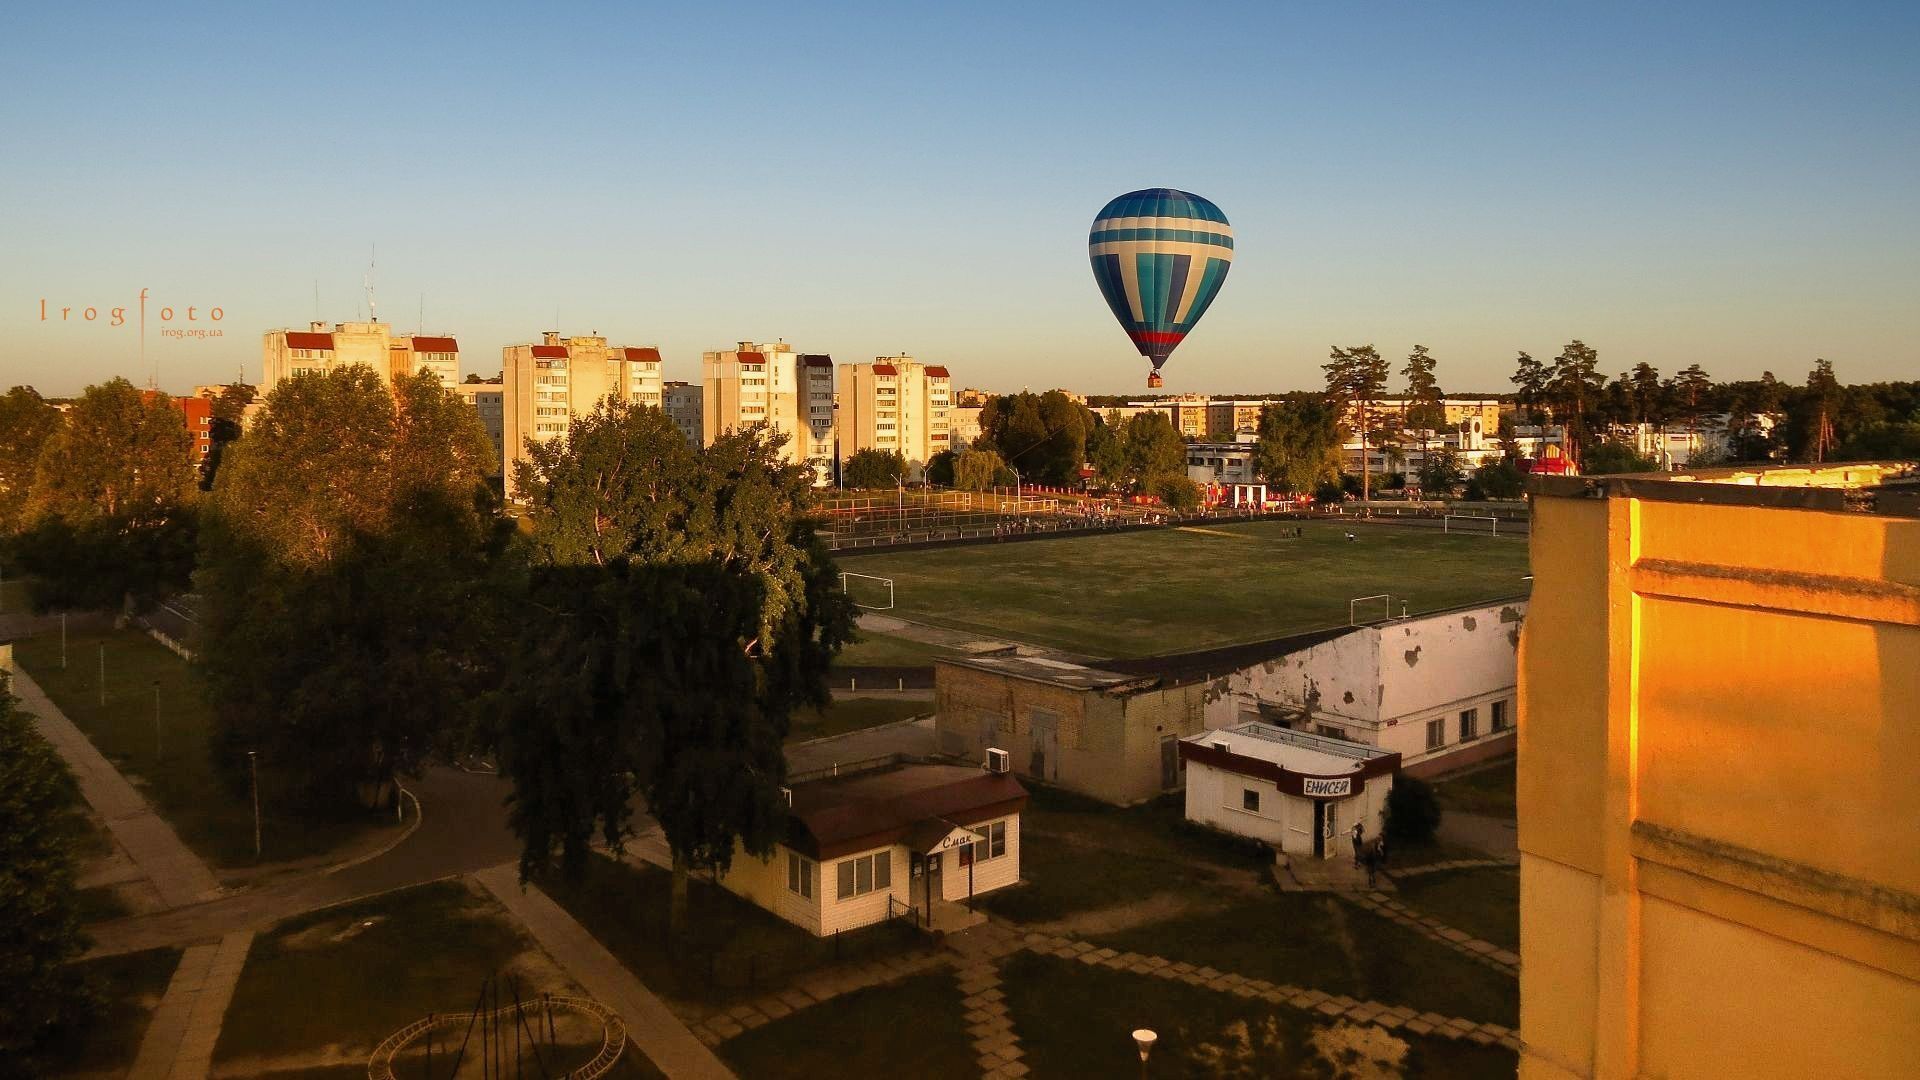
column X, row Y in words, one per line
column 1436, row 734
column 1249, row 800
column 991, row 845
column 800, row 875
column 1469, row 724
column 868, row 873
column 1500, row 720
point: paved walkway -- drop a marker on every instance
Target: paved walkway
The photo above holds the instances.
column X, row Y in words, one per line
column 1486, row 952
column 1450, row 864
column 176, row 872
column 186, row 1025
column 650, row 1024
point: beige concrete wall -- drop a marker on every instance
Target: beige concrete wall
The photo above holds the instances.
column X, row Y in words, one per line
column 1718, row 816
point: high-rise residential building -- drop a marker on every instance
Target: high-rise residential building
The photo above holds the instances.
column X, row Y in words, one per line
column 682, row 402
column 790, row 392
column 896, row 403
column 488, row 400
column 1719, row 683
column 544, row 386
column 285, row 353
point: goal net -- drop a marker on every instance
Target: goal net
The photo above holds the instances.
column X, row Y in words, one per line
column 1362, row 610
column 868, row 591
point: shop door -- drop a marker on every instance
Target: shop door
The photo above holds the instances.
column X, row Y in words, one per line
column 934, row 862
column 1319, row 829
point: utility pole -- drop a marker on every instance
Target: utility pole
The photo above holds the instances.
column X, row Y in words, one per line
column 103, row 674
column 159, row 746
column 253, row 775
column 63, row 641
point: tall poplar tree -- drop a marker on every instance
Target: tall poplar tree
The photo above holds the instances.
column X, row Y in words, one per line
column 1425, row 410
column 1356, row 377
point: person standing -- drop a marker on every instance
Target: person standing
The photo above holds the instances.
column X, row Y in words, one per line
column 1359, row 838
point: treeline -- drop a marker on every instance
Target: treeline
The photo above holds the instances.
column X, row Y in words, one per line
column 1047, row 438
column 643, row 628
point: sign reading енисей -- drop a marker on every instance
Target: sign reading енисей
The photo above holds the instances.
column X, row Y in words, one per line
column 1342, row 786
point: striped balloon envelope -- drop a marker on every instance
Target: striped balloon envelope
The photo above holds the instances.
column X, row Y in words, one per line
column 1160, row 256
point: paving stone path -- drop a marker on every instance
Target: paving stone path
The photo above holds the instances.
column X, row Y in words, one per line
column 179, row 1041
column 1502, row 960
column 976, row 961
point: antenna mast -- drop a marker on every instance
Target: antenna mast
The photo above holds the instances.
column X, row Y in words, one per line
column 373, row 309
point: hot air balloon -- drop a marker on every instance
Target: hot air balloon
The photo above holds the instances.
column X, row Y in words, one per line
column 1159, row 256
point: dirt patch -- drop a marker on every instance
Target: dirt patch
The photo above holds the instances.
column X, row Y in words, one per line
column 1111, row 920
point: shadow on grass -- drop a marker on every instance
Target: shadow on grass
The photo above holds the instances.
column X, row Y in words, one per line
column 914, row 1027
column 1077, row 1020
column 729, row 948
column 129, row 987
column 1484, row 902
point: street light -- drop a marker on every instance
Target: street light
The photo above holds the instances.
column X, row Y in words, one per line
column 1144, row 1038
column 159, row 747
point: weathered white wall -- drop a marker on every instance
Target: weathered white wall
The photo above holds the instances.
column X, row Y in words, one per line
column 989, row 874
column 1286, row 821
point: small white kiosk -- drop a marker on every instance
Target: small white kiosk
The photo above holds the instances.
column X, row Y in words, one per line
column 1299, row 792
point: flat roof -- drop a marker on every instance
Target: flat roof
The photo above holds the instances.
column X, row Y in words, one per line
column 840, row 815
column 1297, row 751
column 1885, row 487
column 1044, row 669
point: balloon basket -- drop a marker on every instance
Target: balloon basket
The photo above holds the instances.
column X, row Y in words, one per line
column 1154, row 381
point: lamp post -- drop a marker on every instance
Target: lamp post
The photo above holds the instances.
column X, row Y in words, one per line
column 1143, row 1039
column 253, row 777
column 159, row 745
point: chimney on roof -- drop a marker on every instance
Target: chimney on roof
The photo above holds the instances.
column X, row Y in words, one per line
column 550, row 337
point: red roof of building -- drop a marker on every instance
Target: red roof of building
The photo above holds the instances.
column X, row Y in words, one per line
column 866, row 811
column 937, row 373
column 885, row 369
column 816, row 360
column 646, row 355
column 303, row 339
column 435, row 344
column 752, row 358
column 549, row 352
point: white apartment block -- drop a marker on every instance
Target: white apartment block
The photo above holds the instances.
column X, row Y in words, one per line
column 682, row 402
column 791, row 393
column 320, row 349
column 545, row 386
column 488, row 400
column 897, row 403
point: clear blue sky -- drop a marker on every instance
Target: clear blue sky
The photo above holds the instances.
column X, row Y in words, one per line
column 1730, row 184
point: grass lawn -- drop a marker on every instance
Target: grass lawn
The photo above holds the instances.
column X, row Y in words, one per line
column 729, row 947
column 1485, row 791
column 173, row 772
column 1484, row 902
column 1316, row 940
column 130, row 987
column 1176, row 590
column 1079, row 855
column 321, row 989
column 1076, row 1020
column 886, row 650
column 914, row 1027
column 852, row 714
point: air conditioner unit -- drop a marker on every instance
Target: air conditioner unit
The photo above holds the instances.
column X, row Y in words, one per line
column 998, row 761
column 786, row 796
column 1223, row 746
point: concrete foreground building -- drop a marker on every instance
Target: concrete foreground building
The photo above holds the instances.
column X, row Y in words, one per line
column 791, row 393
column 546, row 385
column 320, row 349
column 897, row 404
column 1719, row 802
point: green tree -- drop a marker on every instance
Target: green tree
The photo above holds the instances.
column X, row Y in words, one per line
column 1530, row 388
column 43, row 1002
column 1614, row 457
column 1496, row 480
column 1356, row 377
column 679, row 607
column 1044, row 436
column 1413, row 811
column 977, row 470
column 1152, row 449
column 1690, row 390
column 940, row 469
column 1574, row 384
column 873, row 468
column 1178, row 492
column 229, row 413
column 1819, row 407
column 345, row 565
column 1426, row 412
column 1107, row 455
column 111, row 512
column 26, row 423
column 1648, row 396
column 1439, row 471
column 1297, row 447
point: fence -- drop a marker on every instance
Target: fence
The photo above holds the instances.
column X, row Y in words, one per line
column 868, row 519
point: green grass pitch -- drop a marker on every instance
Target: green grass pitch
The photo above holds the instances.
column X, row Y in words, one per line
column 1178, row 590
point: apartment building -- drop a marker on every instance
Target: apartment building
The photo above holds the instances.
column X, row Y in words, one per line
column 682, row 402
column 1197, row 416
column 791, row 393
column 897, row 403
column 488, row 400
column 544, row 386
column 320, row 348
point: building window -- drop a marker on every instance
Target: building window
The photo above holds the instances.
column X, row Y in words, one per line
column 1436, row 734
column 991, row 845
column 1329, row 731
column 863, row 875
column 1500, row 720
column 1250, row 800
column 800, row 875
column 1469, row 724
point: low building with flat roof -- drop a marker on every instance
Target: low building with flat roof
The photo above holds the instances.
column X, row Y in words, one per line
column 1295, row 791
column 917, row 841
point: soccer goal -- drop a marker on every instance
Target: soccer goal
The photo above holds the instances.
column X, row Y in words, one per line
column 1492, row 524
column 868, row 591
column 1362, row 610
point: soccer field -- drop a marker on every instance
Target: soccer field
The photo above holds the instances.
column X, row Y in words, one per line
column 1177, row 590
